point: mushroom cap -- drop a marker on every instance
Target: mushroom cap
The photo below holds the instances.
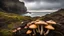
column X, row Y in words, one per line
column 32, row 21
column 37, row 20
column 50, row 27
column 26, row 27
column 22, row 22
column 51, row 22
column 29, row 32
column 28, row 24
column 18, row 28
column 41, row 23
column 14, row 30
column 33, row 26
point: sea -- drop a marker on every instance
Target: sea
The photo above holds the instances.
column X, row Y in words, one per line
column 35, row 14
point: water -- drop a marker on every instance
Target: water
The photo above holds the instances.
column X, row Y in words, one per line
column 34, row 14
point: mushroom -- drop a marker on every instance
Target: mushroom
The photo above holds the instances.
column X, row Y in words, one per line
column 42, row 27
column 36, row 22
column 14, row 30
column 28, row 23
column 41, row 23
column 26, row 27
column 51, row 22
column 29, row 32
column 33, row 26
column 49, row 27
column 19, row 28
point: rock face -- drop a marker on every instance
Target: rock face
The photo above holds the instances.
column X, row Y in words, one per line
column 57, row 16
column 13, row 6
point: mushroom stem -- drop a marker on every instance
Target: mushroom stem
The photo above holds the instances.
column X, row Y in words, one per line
column 34, row 32
column 41, row 30
column 38, row 29
column 19, row 31
column 46, row 32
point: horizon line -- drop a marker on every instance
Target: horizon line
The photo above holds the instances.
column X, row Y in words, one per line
column 42, row 10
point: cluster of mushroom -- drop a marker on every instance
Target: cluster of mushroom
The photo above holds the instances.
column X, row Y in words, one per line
column 17, row 29
column 38, row 26
column 35, row 26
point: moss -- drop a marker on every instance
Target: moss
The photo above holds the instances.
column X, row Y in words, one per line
column 6, row 32
column 10, row 21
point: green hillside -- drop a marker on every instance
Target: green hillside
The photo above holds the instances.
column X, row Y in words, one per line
column 8, row 21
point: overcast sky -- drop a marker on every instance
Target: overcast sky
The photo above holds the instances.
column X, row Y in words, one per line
column 37, row 5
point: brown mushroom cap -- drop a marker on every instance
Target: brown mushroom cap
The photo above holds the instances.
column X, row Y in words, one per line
column 32, row 21
column 50, row 27
column 41, row 23
column 28, row 24
column 29, row 32
column 14, row 30
column 33, row 26
column 18, row 28
column 37, row 20
column 26, row 27
column 51, row 22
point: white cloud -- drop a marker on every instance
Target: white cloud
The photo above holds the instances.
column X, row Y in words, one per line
column 30, row 5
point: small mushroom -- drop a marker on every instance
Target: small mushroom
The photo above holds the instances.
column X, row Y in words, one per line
column 28, row 23
column 26, row 27
column 19, row 28
column 51, row 22
column 29, row 32
column 49, row 27
column 32, row 21
column 33, row 26
column 14, row 30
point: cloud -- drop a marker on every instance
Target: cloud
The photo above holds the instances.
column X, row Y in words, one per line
column 44, row 4
column 44, row 0
column 13, row 6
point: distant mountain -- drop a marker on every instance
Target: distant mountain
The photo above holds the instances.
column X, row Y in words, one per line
column 57, row 16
